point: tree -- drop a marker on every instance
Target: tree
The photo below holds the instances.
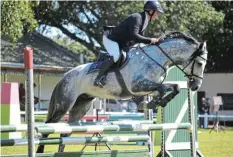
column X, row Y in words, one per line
column 221, row 45
column 196, row 17
column 17, row 18
column 79, row 20
column 82, row 21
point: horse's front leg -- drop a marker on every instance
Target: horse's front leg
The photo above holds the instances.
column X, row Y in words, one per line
column 149, row 86
column 161, row 99
column 174, row 89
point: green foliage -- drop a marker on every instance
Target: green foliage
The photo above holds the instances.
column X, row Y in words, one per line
column 17, row 18
column 82, row 21
column 196, row 17
column 199, row 18
column 220, row 43
column 87, row 17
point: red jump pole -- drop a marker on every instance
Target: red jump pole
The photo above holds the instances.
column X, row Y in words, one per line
column 28, row 65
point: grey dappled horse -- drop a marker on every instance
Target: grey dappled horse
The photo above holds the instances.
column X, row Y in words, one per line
column 141, row 72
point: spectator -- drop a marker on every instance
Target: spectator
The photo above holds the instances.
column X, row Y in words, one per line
column 21, row 91
column 36, row 99
column 204, row 109
column 22, row 97
column 208, row 104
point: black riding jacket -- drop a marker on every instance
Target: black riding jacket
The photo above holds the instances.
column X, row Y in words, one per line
column 129, row 31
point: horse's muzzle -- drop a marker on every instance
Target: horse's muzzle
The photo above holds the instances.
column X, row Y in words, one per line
column 193, row 84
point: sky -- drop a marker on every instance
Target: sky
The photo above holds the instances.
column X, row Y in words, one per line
column 50, row 32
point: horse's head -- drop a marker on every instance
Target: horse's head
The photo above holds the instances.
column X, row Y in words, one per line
column 195, row 66
column 183, row 49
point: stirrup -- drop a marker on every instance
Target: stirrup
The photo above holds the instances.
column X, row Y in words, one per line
column 98, row 83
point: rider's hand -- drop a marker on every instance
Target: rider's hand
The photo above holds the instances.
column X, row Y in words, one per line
column 154, row 40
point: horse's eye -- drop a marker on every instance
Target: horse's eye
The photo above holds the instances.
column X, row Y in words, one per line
column 199, row 64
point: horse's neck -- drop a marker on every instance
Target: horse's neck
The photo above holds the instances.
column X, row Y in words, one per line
column 155, row 54
column 178, row 50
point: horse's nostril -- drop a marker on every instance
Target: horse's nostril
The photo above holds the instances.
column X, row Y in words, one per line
column 195, row 88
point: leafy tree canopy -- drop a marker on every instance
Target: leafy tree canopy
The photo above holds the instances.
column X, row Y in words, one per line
column 17, row 18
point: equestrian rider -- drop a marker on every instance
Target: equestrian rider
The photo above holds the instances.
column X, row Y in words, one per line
column 130, row 30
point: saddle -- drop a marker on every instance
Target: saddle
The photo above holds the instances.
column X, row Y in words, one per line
column 104, row 57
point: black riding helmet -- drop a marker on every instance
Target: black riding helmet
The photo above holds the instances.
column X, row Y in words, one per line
column 153, row 5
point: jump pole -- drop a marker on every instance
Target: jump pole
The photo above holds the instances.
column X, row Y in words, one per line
column 28, row 65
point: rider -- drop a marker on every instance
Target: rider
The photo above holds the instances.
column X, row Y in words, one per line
column 130, row 30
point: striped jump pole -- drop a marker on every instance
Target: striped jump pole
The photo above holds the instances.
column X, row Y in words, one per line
column 75, row 140
column 129, row 127
column 23, row 127
column 13, row 128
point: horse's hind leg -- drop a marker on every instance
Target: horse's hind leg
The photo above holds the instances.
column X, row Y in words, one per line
column 80, row 108
column 58, row 116
column 60, row 104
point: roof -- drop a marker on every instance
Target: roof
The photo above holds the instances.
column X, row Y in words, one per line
column 46, row 53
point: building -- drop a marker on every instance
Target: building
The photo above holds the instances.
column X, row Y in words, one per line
column 51, row 61
column 219, row 84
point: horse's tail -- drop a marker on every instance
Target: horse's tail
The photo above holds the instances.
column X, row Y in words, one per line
column 52, row 107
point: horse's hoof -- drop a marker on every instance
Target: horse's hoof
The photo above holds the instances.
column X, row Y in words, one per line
column 163, row 104
column 100, row 85
column 39, row 150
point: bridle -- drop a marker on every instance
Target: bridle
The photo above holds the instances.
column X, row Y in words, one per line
column 190, row 76
column 192, row 60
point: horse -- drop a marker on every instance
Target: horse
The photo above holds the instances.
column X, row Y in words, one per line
column 141, row 72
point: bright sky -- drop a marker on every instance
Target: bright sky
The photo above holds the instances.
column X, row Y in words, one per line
column 51, row 32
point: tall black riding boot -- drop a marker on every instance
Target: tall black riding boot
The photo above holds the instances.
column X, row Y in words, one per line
column 100, row 79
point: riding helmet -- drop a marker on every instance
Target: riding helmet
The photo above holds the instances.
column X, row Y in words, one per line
column 153, row 5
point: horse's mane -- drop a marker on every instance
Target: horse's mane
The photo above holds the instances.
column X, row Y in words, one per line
column 176, row 34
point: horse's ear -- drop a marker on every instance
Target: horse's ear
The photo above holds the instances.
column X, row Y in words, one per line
column 202, row 46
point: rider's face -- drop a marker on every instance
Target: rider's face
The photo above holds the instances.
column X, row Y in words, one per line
column 155, row 15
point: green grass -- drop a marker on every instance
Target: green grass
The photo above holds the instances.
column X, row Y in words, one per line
column 216, row 145
column 211, row 145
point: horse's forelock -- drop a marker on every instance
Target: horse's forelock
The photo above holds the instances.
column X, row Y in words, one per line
column 198, row 52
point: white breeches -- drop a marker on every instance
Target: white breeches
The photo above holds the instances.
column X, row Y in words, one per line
column 112, row 48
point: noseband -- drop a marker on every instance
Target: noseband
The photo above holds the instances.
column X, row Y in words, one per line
column 193, row 61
